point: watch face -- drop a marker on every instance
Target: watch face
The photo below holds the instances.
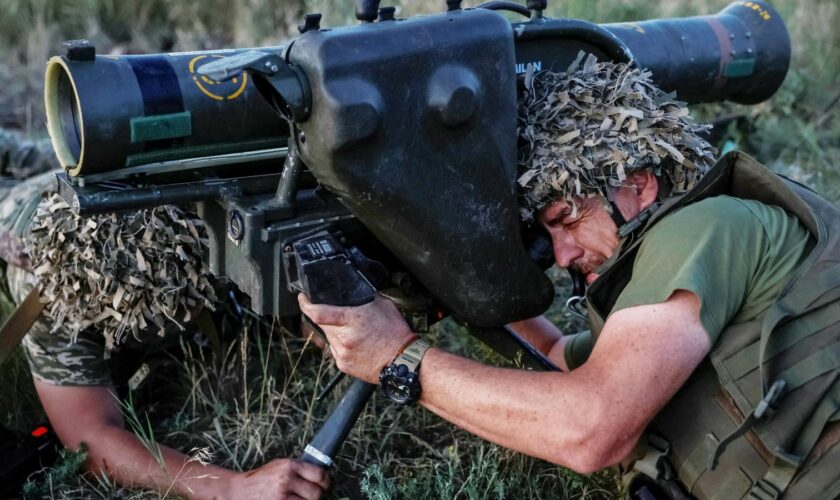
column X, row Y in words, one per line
column 400, row 385
column 396, row 389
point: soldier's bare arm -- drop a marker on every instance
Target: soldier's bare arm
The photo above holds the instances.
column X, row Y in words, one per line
column 90, row 415
column 545, row 336
column 587, row 419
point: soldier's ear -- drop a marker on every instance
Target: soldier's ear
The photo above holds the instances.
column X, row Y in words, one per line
column 646, row 187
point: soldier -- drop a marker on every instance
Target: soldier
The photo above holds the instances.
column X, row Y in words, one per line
column 712, row 367
column 19, row 159
column 73, row 379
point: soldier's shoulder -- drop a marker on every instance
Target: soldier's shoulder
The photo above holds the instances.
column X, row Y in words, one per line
column 18, row 203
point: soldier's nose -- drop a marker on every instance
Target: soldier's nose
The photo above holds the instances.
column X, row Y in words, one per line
column 566, row 252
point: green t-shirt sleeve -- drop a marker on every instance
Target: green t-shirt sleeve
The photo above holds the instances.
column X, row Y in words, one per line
column 578, row 348
column 720, row 250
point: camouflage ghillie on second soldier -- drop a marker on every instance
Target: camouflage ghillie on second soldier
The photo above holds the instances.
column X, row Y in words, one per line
column 120, row 273
column 103, row 277
column 583, row 131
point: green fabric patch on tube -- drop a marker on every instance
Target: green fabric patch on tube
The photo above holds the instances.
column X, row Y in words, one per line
column 739, row 67
column 155, row 128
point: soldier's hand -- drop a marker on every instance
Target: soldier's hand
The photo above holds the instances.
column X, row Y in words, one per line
column 281, row 479
column 363, row 339
column 308, row 332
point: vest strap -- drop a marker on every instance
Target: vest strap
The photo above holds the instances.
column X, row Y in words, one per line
column 737, row 485
column 791, row 305
column 763, row 409
column 776, row 480
column 697, row 462
column 744, row 361
column 815, row 365
column 638, row 221
column 781, row 474
column 763, row 490
column 826, row 410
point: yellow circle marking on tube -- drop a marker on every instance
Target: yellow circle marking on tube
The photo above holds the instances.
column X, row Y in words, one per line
column 55, row 66
column 202, row 82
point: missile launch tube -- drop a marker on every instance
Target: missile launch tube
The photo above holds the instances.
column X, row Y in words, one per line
column 741, row 54
column 106, row 113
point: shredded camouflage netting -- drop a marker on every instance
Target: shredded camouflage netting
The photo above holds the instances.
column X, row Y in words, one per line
column 122, row 273
column 584, row 130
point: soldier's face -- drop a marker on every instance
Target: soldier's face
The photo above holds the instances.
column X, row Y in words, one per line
column 584, row 241
column 588, row 239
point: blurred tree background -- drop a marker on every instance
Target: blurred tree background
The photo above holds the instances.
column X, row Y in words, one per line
column 796, row 129
column 246, row 417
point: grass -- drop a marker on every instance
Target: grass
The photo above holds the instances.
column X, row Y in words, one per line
column 256, row 399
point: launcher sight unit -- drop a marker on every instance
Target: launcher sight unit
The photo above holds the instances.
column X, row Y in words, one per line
column 398, row 134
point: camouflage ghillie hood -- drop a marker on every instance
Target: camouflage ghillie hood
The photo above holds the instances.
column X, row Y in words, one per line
column 584, row 130
column 120, row 274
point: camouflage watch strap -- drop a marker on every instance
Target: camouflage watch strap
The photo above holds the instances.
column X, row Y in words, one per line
column 413, row 354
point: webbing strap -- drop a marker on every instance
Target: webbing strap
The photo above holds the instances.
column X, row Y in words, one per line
column 19, row 323
column 793, row 303
column 762, row 490
column 824, row 412
column 697, row 462
column 815, row 365
column 764, row 409
column 616, row 215
column 735, row 486
column 781, row 473
column 745, row 360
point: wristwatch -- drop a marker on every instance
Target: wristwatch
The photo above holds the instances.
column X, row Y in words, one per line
column 400, row 381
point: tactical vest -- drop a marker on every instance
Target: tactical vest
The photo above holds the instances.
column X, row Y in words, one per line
column 757, row 418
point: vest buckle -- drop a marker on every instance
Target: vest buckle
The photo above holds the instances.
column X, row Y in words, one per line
column 768, row 402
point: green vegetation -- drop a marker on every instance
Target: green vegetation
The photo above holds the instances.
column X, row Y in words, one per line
column 256, row 400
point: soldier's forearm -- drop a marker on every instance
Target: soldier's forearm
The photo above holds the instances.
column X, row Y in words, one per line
column 123, row 457
column 548, row 415
column 91, row 415
column 545, row 336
